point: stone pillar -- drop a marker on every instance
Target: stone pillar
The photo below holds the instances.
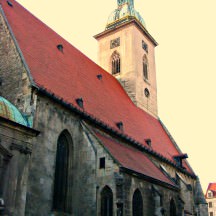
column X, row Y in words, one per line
column 119, row 194
column 159, row 210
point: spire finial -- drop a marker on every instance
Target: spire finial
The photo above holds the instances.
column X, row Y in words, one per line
column 129, row 2
column 125, row 12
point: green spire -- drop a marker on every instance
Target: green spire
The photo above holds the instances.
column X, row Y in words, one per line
column 124, row 13
column 122, row 2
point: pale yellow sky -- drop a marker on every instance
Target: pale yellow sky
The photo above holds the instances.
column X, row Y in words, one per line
column 185, row 61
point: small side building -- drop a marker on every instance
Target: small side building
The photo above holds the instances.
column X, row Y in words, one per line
column 211, row 198
column 15, row 152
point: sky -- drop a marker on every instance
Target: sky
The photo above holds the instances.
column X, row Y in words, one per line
column 185, row 62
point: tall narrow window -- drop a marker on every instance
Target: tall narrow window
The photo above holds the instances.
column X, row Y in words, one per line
column 116, row 63
column 106, row 202
column 137, row 203
column 61, row 183
column 145, row 68
column 172, row 208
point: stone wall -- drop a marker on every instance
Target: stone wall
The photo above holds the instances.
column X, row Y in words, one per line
column 15, row 152
column 14, row 80
column 150, row 206
column 131, row 53
column 51, row 119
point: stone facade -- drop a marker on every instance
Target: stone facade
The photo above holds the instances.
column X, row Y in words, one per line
column 131, row 51
column 29, row 180
column 14, row 75
column 16, row 143
column 211, row 199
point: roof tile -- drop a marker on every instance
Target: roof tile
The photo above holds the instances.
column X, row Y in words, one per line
column 71, row 75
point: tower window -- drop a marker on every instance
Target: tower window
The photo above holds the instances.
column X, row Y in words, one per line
column 116, row 63
column 145, row 68
column 146, row 92
column 145, row 46
column 115, row 43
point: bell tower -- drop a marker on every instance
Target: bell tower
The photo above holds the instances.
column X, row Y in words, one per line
column 126, row 50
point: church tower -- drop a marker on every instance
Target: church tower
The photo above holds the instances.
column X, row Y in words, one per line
column 126, row 50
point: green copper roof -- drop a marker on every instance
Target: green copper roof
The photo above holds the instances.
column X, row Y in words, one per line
column 123, row 13
column 9, row 111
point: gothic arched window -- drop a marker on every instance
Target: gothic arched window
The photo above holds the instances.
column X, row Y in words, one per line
column 106, row 202
column 145, row 68
column 172, row 208
column 137, row 203
column 61, row 200
column 116, row 63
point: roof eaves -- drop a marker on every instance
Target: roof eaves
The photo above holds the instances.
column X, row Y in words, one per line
column 27, row 130
column 153, row 180
column 18, row 48
column 137, row 23
column 106, row 127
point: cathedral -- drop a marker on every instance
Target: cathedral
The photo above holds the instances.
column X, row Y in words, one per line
column 81, row 139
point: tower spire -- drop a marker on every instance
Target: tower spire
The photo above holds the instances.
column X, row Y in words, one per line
column 124, row 12
column 126, row 50
column 129, row 2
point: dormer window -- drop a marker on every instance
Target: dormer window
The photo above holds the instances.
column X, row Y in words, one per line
column 179, row 159
column 148, row 142
column 120, row 125
column 116, row 63
column 60, row 47
column 210, row 195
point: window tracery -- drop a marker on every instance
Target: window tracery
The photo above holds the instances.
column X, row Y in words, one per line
column 106, row 202
column 116, row 63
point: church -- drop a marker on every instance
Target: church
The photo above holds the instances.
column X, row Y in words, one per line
column 81, row 139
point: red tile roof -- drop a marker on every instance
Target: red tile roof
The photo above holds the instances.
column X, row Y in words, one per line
column 133, row 159
column 211, row 187
column 71, row 75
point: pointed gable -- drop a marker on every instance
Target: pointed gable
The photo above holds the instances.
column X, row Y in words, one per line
column 69, row 74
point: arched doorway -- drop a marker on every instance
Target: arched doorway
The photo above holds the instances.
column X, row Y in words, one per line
column 172, row 208
column 137, row 203
column 106, row 202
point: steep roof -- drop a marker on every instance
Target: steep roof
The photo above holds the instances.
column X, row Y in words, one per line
column 212, row 188
column 70, row 75
column 133, row 159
